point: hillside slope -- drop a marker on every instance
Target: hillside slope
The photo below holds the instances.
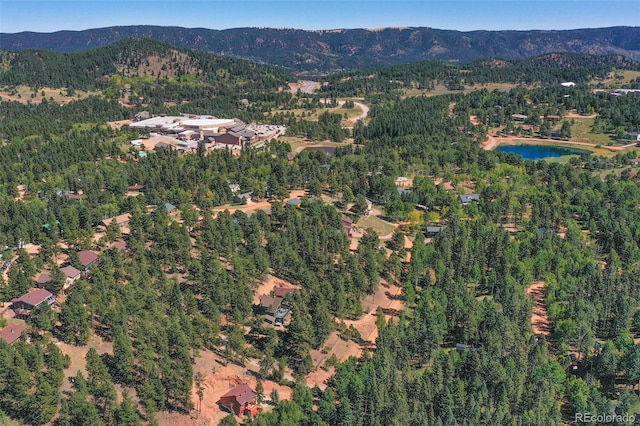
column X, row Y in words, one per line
column 349, row 49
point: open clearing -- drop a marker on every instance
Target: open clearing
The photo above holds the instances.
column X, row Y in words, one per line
column 389, row 299
column 539, row 318
column 218, row 379
column 23, row 94
column 268, row 285
column 384, row 229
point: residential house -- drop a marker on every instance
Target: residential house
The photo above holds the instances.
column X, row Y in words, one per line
column 466, row 199
column 295, row 202
column 43, row 280
column 87, row 259
column 432, row 231
column 122, row 221
column 136, row 187
column 633, row 136
column 402, row 181
column 119, row 245
column 241, row 400
column 283, row 291
column 461, row 347
column 519, row 117
column 12, row 332
column 72, row 196
column 275, row 312
column 24, row 304
column 348, row 226
column 71, row 275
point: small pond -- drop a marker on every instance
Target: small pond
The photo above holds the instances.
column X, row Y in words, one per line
column 538, row 152
column 329, row 150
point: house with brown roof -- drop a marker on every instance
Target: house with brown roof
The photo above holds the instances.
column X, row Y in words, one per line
column 12, row 333
column 87, row 259
column 283, row 291
column 119, row 245
column 347, row 225
column 241, row 400
column 121, row 220
column 275, row 312
column 71, row 275
column 24, row 304
column 43, row 280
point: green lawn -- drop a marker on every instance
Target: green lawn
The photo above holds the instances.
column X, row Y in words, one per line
column 381, row 227
column 581, row 132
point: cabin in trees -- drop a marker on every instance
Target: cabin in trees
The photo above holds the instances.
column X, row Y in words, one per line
column 467, row 199
column 119, row 245
column 122, row 221
column 71, row 275
column 87, row 259
column 241, row 400
column 283, row 291
column 274, row 311
column 633, row 136
column 23, row 305
column 12, row 333
column 43, row 280
column 432, row 231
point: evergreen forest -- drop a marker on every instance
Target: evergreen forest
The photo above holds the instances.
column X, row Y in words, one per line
column 470, row 344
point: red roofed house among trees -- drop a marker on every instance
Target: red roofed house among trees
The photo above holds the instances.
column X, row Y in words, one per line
column 241, row 400
column 23, row 305
column 12, row 333
column 87, row 258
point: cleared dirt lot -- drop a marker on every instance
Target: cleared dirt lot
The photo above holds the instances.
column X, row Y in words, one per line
column 218, row 380
column 539, row 318
column 389, row 299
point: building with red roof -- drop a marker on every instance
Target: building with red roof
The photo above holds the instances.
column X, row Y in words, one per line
column 12, row 333
column 241, row 400
column 24, row 304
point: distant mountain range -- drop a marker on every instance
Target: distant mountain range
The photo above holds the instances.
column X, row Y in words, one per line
column 350, row 49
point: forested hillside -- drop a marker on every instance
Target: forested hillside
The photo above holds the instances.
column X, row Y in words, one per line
column 346, row 49
column 409, row 208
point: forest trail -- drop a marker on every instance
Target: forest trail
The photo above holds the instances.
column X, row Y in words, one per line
column 539, row 317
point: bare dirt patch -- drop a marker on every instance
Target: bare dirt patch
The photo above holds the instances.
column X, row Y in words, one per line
column 389, row 299
column 78, row 354
column 219, row 379
column 268, row 285
column 539, row 318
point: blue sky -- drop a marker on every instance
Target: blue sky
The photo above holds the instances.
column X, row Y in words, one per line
column 463, row 15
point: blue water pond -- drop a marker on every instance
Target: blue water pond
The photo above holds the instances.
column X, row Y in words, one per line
column 538, row 152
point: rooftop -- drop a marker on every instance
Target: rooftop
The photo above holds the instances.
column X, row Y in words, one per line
column 87, row 257
column 123, row 218
column 43, row 278
column 34, row 297
column 12, row 333
column 242, row 393
column 271, row 304
column 70, row 271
